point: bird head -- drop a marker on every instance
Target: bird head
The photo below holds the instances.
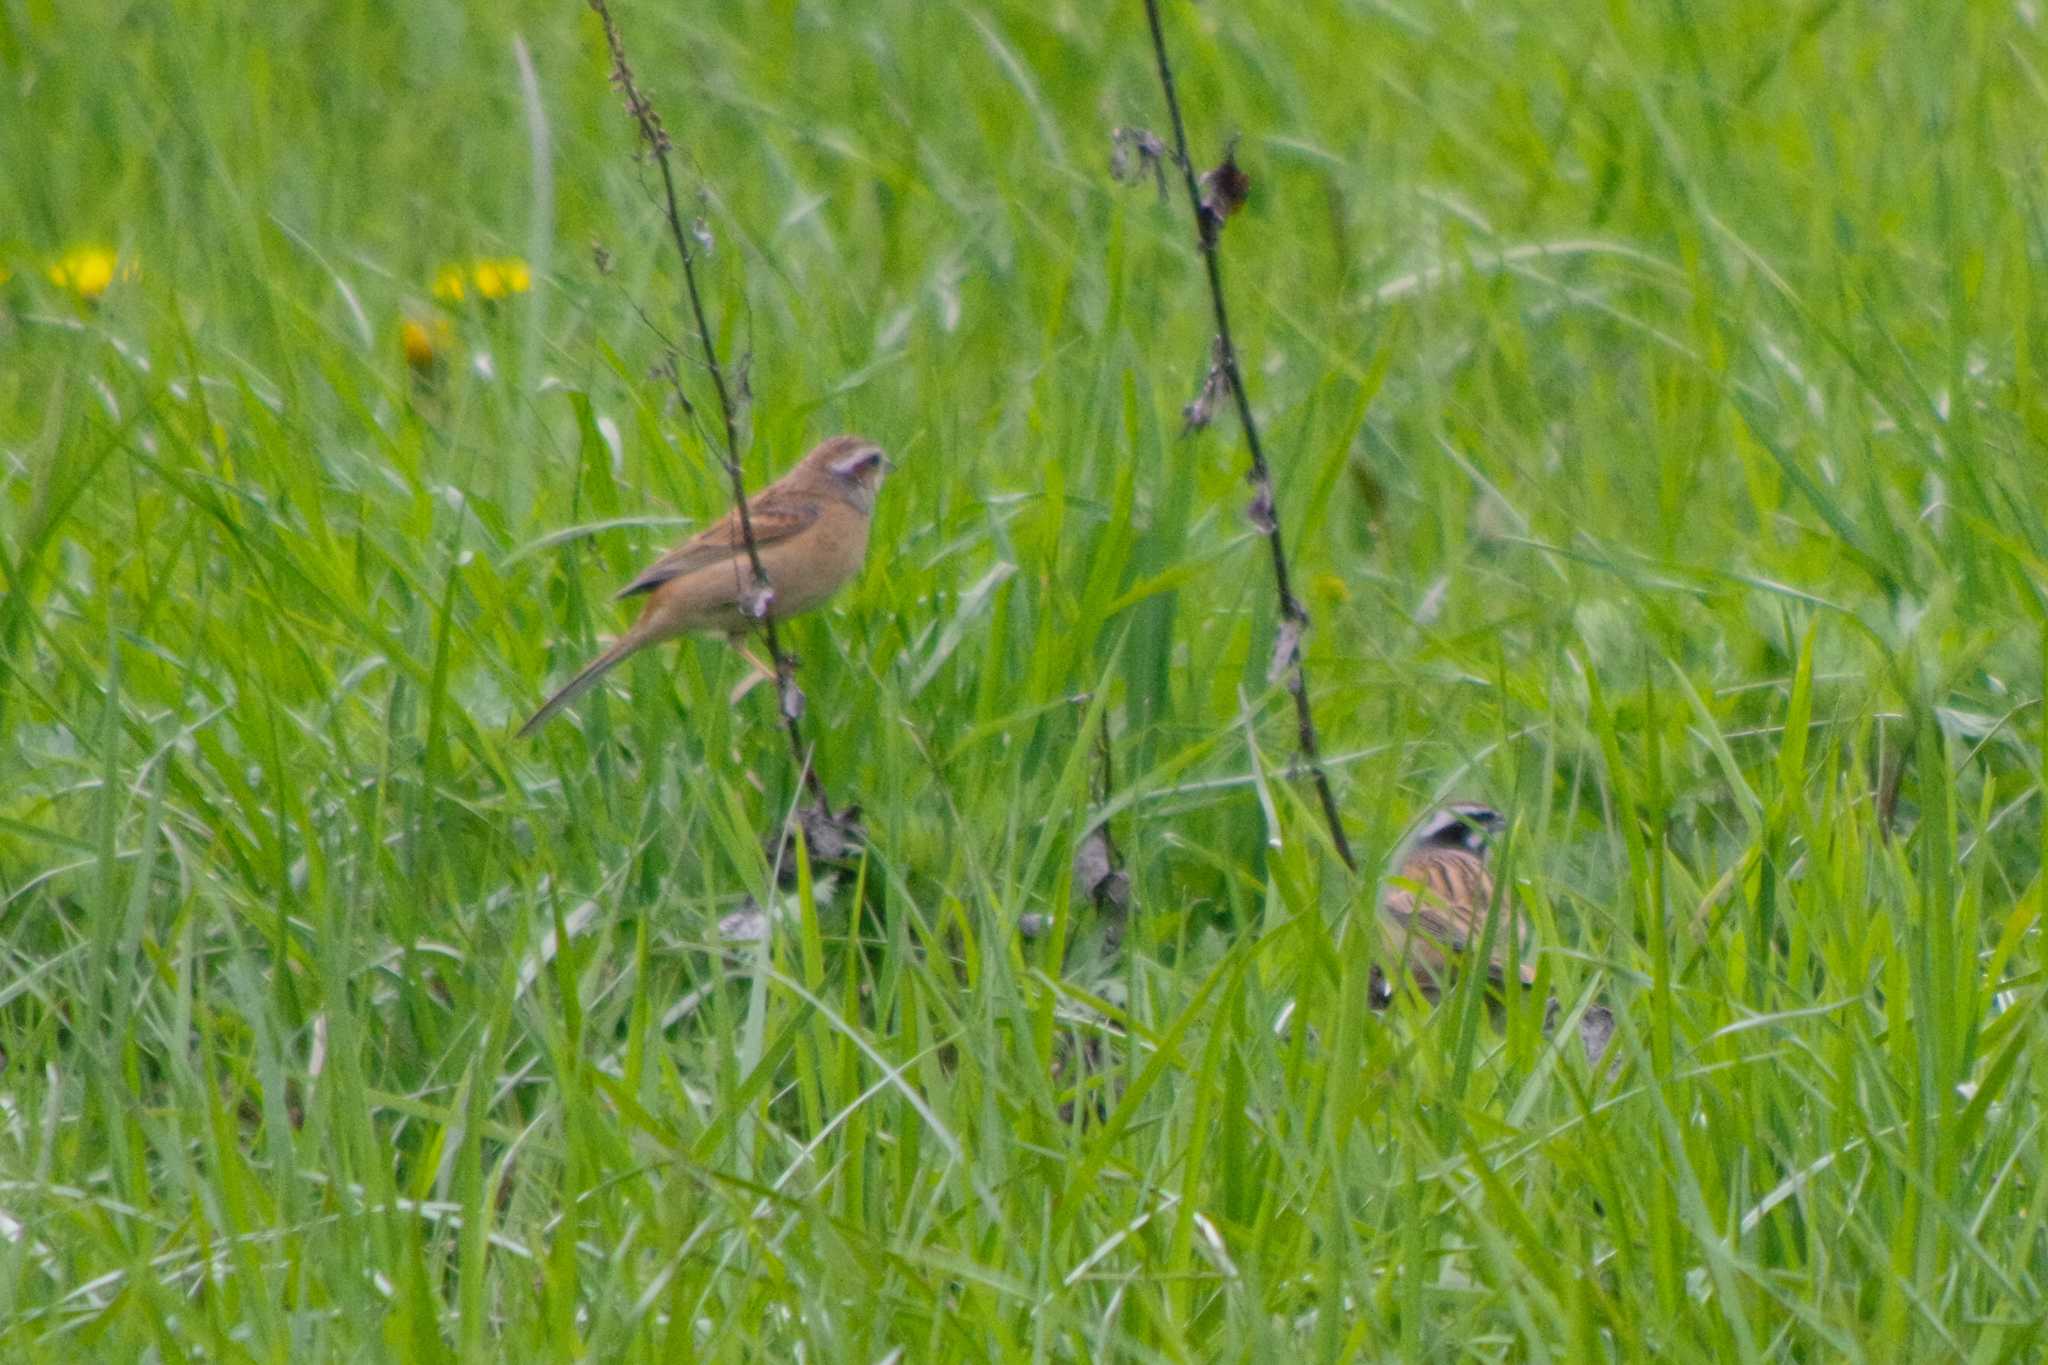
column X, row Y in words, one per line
column 850, row 466
column 1462, row 824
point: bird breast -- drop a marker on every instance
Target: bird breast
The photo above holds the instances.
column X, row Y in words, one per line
column 811, row 566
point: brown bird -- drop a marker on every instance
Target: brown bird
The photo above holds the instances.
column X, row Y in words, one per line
column 811, row 526
column 1441, row 896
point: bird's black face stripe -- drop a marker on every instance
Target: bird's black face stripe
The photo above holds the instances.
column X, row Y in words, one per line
column 1464, row 826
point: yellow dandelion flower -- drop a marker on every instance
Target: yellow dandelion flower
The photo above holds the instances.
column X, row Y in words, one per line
column 417, row 343
column 1330, row 588
column 501, row 276
column 424, row 343
column 87, row 271
column 448, row 286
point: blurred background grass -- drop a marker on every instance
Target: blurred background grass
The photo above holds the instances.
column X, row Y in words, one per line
column 1652, row 395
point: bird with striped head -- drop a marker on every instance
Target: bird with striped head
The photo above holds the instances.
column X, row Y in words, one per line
column 1437, row 903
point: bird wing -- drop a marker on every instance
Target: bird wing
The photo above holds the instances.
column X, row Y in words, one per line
column 1446, row 901
column 774, row 518
column 1446, row 891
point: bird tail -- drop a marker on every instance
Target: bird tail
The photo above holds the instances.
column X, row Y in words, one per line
column 581, row 683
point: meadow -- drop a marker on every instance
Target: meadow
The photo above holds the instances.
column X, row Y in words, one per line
column 1651, row 397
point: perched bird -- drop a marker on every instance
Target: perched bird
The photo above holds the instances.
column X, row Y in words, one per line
column 1441, row 895
column 811, row 527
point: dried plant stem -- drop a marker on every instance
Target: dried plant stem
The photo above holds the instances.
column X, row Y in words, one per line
column 788, row 695
column 1293, row 616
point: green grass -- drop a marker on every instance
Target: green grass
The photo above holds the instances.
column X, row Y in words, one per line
column 1652, row 392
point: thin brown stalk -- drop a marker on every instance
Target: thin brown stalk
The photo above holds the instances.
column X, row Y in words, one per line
column 1293, row 616
column 790, row 698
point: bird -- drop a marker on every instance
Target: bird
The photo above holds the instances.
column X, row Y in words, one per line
column 1441, row 895
column 811, row 528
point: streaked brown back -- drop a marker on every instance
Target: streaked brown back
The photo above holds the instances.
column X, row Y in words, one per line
column 1441, row 910
column 775, row 515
